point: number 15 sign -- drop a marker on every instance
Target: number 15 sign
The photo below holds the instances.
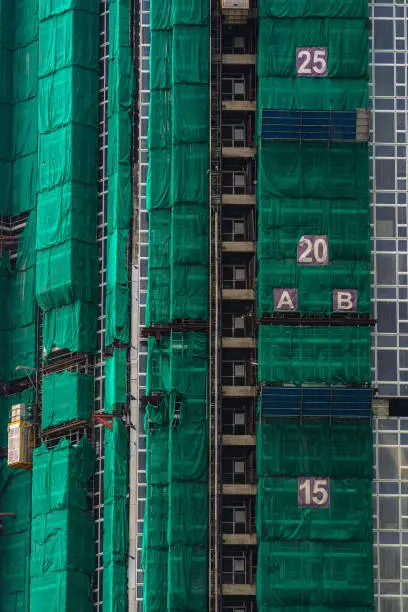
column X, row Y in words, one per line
column 311, row 61
column 313, row 492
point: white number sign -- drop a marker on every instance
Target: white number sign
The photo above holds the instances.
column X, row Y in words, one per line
column 311, row 61
column 313, row 250
column 313, row 492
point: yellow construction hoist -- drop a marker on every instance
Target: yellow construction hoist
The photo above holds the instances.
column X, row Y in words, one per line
column 21, row 438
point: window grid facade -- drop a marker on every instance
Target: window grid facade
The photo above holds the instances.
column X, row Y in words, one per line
column 388, row 91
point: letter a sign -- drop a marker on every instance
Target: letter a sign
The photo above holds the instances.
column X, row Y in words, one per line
column 285, row 300
column 345, row 300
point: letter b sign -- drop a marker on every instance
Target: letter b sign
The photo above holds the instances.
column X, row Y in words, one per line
column 344, row 300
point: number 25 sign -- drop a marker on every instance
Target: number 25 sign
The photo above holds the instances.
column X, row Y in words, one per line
column 313, row 492
column 311, row 61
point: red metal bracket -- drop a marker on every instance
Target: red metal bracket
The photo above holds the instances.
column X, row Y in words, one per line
column 104, row 419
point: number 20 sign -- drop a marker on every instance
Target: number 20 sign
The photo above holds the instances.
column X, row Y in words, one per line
column 313, row 250
column 311, row 61
column 313, row 492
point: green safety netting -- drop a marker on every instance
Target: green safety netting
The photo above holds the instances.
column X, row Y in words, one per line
column 313, row 558
column 323, row 355
column 15, row 496
column 62, row 562
column 67, row 396
column 179, row 363
column 119, row 173
column 187, row 579
column 18, row 172
column 315, row 286
column 176, row 512
column 115, row 381
column 117, row 314
column 64, row 216
column 346, row 41
column 18, row 314
column 66, row 256
column 115, row 523
column 177, row 183
column 309, row 171
column 345, row 221
column 294, row 179
column 60, row 477
column 72, row 327
column 341, row 449
column 307, row 553
column 311, row 608
column 166, row 14
column 279, row 518
column 51, row 8
column 65, row 274
column 336, row 574
column 304, row 191
column 117, row 302
column 18, row 105
column 313, row 8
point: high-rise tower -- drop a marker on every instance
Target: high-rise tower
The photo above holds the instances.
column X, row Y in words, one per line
column 187, row 399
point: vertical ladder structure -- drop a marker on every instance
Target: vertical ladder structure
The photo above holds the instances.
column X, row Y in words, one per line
column 215, row 174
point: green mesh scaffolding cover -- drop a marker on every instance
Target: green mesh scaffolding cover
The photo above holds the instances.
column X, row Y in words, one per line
column 62, row 563
column 64, row 216
column 19, row 101
column 115, row 381
column 117, row 314
column 116, row 522
column 279, row 518
column 177, row 182
column 290, row 171
column 60, row 477
column 155, row 565
column 313, row 558
column 18, row 314
column 15, row 496
column 51, row 8
column 325, row 179
column 65, row 274
column 179, row 363
column 72, row 327
column 345, row 39
column 328, row 355
column 336, row 574
column 187, row 575
column 176, row 511
column 355, row 9
column 119, row 214
column 304, row 192
column 55, row 170
column 311, row 608
column 341, row 449
column 67, row 396
column 66, row 254
column 307, row 553
column 284, row 220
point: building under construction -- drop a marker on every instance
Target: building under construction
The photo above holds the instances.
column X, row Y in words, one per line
column 202, row 342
